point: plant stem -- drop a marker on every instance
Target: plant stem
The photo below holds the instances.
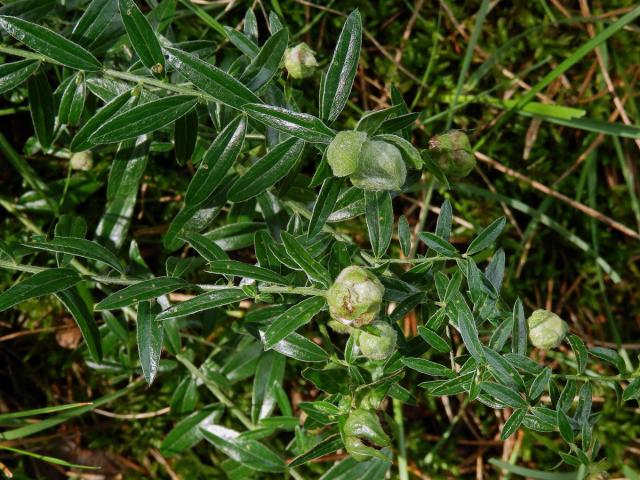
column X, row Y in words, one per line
column 402, row 448
column 299, row 290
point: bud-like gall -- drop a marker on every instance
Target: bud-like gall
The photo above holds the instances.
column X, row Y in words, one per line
column 546, row 329
column 355, row 297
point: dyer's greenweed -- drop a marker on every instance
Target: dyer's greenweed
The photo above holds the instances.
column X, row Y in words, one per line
column 241, row 129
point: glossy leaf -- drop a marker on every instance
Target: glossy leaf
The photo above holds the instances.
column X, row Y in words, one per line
column 433, row 339
column 69, row 226
column 338, row 80
column 580, row 352
column 271, row 168
column 301, row 256
column 269, row 371
column 295, row 317
column 93, row 22
column 301, row 348
column 185, row 135
column 519, row 334
column 203, row 302
column 540, row 383
column 81, row 140
column 143, row 119
column 72, row 101
column 324, row 204
column 564, row 426
column 79, row 247
column 441, row 246
column 486, row 237
column 42, row 283
column 300, row 125
column 379, row 215
column 249, row 452
column 83, row 316
column 143, row 39
column 42, row 108
column 15, row 73
column 469, row 334
column 208, row 249
column 216, row 83
column 632, row 390
column 149, row 335
column 50, row 44
column 513, row 423
column 404, row 235
column 504, row 394
column 186, row 433
column 144, row 290
column 216, row 162
column 609, row 355
column 266, row 64
column 428, row 367
column 245, row 270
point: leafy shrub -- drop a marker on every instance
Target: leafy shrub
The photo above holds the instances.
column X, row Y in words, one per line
column 262, row 287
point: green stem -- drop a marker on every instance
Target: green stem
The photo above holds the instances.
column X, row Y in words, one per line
column 299, row 290
column 598, row 378
column 402, row 448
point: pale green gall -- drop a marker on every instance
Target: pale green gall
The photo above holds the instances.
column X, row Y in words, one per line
column 343, row 152
column 546, row 329
column 355, row 297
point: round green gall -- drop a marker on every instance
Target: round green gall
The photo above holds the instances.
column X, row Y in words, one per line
column 300, row 61
column 378, row 346
column 546, row 329
column 81, row 161
column 343, row 152
column 355, row 297
column 453, row 154
column 380, row 167
column 363, row 435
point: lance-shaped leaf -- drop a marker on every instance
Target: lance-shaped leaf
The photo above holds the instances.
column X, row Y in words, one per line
column 325, row 447
column 404, row 235
column 143, row 40
column 72, row 101
column 79, row 247
column 266, row 64
column 271, row 168
column 81, row 140
column 299, row 254
column 245, row 270
column 216, row 83
column 14, row 73
column 441, row 246
column 203, row 302
column 338, row 80
column 379, row 214
column 504, row 394
column 186, row 434
column 486, row 237
column 145, row 290
column 269, row 371
column 513, row 423
column 428, row 367
column 39, row 284
column 208, row 249
column 83, row 316
column 324, row 204
column 149, row 335
column 185, row 136
column 300, row 348
column 250, row 453
column 469, row 333
column 295, row 317
column 216, row 162
column 143, row 119
column 50, row 44
column 42, row 108
column 95, row 19
column 301, row 125
column 519, row 333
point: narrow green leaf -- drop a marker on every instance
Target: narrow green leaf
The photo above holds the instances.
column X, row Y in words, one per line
column 428, row 367
column 433, row 339
column 15, row 73
column 39, row 284
column 186, row 434
column 211, row 80
column 531, row 473
column 143, row 39
column 370, row 121
column 299, row 254
column 580, row 352
column 242, row 42
column 519, row 334
column 149, row 335
column 301, row 348
column 208, row 249
column 248, row 452
column 266, row 64
column 486, row 237
column 441, row 246
column 338, row 80
column 632, row 390
column 203, row 302
column 93, row 22
column 50, row 44
column 81, row 140
column 379, row 215
column 513, row 423
column 609, row 355
column 565, row 426
column 540, row 383
column 185, row 136
column 139, row 292
column 325, row 447
column 271, row 168
column 404, row 235
column 269, row 372
column 504, row 394
column 217, row 161
column 300, row 125
column 502, row 370
column 72, row 101
column 241, row 269
column 42, row 108
column 324, row 204
column 469, row 334
column 294, row 318
column 69, row 226
column 78, row 247
column 143, row 119
column 74, row 303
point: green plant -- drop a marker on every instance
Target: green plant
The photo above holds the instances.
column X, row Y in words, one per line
column 289, row 264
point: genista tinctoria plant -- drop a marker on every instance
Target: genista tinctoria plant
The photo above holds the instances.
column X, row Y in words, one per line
column 307, row 299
